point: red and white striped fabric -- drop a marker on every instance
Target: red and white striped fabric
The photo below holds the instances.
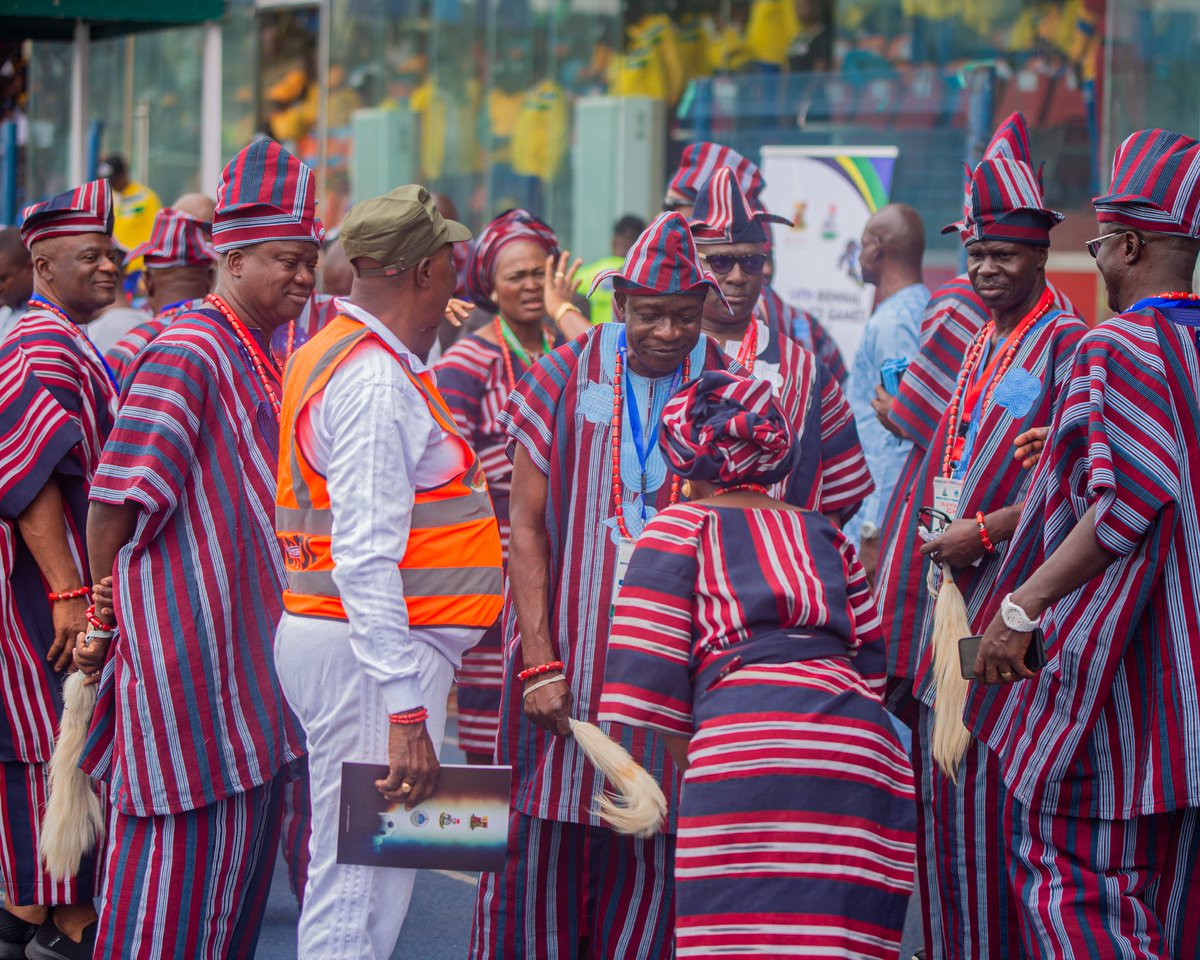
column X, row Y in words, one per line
column 723, row 213
column 1155, row 184
column 85, row 209
column 177, row 239
column 265, row 194
column 701, row 160
column 663, row 262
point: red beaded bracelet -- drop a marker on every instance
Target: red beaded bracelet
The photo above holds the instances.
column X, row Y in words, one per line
column 95, row 622
column 409, row 716
column 540, row 669
column 983, row 534
column 69, row 594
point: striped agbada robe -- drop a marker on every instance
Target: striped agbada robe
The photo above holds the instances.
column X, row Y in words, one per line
column 121, row 355
column 754, row 634
column 191, row 728
column 561, row 414
column 55, row 368
column 1099, row 750
column 472, row 379
column 802, row 327
column 961, row 856
column 831, row 474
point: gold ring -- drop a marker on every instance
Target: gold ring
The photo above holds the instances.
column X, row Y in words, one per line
column 407, row 787
column 559, row 275
column 1006, row 676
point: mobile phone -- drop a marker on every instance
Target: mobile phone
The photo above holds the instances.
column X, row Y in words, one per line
column 968, row 653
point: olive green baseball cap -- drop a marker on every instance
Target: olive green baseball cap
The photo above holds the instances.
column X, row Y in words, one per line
column 397, row 229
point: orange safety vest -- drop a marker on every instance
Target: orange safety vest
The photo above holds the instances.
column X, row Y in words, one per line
column 452, row 568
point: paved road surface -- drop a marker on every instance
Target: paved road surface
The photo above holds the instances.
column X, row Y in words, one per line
column 439, row 920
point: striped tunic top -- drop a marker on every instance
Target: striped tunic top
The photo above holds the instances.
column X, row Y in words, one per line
column 831, row 474
column 705, row 578
column 1024, row 398
column 1110, row 728
column 40, row 439
column 121, row 356
column 561, row 413
column 197, row 714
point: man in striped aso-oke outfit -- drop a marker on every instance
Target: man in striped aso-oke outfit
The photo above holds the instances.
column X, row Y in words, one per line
column 1013, row 370
column 43, row 512
column 587, row 475
column 191, row 730
column 1098, row 749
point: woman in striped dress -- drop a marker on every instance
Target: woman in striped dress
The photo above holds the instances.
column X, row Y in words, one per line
column 518, row 273
column 745, row 631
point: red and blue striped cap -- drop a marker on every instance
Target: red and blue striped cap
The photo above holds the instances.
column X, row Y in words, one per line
column 663, row 262
column 1155, row 184
column 1011, row 140
column 701, row 160
column 86, row 209
column 265, row 194
column 722, row 213
column 176, row 240
column 1006, row 204
column 511, row 226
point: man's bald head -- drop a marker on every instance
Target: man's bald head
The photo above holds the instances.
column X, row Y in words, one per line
column 337, row 274
column 893, row 241
column 16, row 269
column 445, row 206
column 197, row 205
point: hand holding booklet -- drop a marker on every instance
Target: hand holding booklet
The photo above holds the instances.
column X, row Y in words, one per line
column 462, row 826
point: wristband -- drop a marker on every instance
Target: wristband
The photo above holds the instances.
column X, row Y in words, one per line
column 75, row 594
column 1015, row 618
column 566, row 308
column 409, row 717
column 983, row 533
column 544, row 683
column 541, row 668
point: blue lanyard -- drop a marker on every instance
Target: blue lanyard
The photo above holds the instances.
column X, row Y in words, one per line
column 643, row 445
column 44, row 304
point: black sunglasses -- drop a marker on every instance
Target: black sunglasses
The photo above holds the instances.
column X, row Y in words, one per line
column 722, row 263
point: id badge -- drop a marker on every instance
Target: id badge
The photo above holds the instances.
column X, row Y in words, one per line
column 624, row 555
column 947, row 497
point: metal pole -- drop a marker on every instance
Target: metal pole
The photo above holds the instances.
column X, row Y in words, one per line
column 323, row 52
column 8, row 174
column 210, row 108
column 77, row 149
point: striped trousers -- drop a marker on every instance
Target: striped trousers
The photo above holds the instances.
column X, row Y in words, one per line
column 23, row 793
column 969, row 910
column 566, row 881
column 1107, row 888
column 191, row 884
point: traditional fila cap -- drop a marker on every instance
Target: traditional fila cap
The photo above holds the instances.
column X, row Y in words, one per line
column 701, row 160
column 723, row 214
column 1155, row 184
column 663, row 262
column 1011, row 140
column 177, row 240
column 1006, row 204
column 265, row 194
column 86, row 209
column 512, row 226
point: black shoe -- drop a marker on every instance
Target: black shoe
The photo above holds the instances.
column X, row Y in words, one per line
column 52, row 944
column 15, row 933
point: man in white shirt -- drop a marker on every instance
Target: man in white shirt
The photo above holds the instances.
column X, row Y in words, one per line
column 392, row 552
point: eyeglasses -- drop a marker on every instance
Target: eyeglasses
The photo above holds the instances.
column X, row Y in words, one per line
column 1093, row 246
column 722, row 263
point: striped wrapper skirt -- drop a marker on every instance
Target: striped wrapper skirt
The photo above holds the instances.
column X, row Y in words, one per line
column 797, row 821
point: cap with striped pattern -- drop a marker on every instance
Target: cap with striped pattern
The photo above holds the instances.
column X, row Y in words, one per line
column 1006, row 205
column 85, row 209
column 1155, row 184
column 722, row 213
column 265, row 194
column 176, row 240
column 701, row 160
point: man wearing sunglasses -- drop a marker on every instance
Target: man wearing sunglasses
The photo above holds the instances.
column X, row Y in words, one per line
column 831, row 473
column 893, row 247
column 1098, row 749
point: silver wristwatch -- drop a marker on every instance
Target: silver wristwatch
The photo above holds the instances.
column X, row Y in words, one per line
column 1015, row 618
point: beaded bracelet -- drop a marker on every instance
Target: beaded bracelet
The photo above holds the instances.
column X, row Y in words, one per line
column 69, row 594
column 409, row 716
column 983, row 534
column 540, row 669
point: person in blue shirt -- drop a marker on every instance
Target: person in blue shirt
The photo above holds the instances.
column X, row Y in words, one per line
column 893, row 247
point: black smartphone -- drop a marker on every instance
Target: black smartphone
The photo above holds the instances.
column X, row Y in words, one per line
column 968, row 653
